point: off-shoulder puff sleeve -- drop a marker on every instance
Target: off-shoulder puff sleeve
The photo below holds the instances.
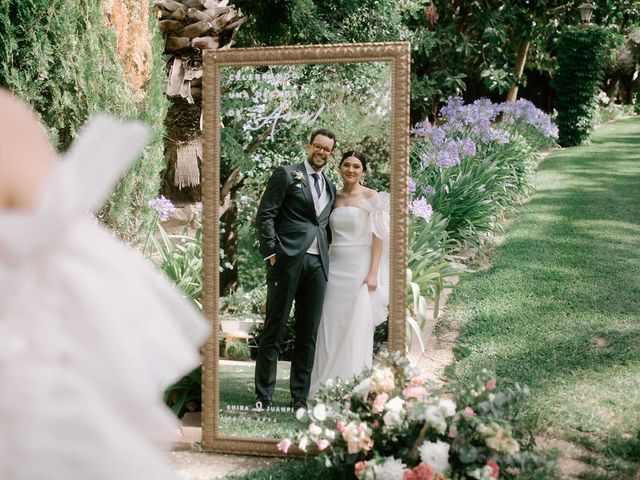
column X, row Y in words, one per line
column 378, row 207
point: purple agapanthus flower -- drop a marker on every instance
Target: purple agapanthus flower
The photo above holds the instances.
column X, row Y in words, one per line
column 427, row 157
column 448, row 156
column 421, row 208
column 163, row 206
column 467, row 147
column 525, row 111
column 412, row 185
column 429, row 191
column 421, row 129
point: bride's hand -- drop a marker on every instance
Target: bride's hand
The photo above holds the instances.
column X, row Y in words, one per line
column 371, row 281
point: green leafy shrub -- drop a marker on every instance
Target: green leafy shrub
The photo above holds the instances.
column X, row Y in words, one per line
column 61, row 58
column 180, row 258
column 237, row 351
column 185, row 395
column 581, row 57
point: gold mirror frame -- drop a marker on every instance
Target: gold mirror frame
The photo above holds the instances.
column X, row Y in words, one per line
column 398, row 55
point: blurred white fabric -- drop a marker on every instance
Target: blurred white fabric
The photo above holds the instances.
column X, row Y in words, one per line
column 90, row 332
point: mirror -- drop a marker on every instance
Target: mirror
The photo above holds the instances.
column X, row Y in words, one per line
column 260, row 106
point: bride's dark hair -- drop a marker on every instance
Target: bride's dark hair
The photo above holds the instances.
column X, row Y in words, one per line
column 355, row 153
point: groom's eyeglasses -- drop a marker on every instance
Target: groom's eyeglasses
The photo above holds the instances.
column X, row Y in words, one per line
column 320, row 148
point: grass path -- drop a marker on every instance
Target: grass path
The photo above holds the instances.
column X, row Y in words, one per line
column 560, row 308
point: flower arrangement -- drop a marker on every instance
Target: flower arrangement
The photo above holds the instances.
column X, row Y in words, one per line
column 389, row 423
column 299, row 176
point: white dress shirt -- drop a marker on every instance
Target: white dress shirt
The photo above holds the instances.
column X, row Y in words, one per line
column 320, row 202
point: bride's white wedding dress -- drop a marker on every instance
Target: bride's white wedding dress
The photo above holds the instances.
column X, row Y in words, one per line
column 350, row 313
column 90, row 332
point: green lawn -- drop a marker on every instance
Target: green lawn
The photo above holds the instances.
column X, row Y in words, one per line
column 560, row 308
column 237, row 401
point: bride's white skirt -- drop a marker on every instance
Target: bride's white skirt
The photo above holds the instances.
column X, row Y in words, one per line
column 345, row 338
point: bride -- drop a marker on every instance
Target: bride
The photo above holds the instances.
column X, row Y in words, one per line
column 357, row 294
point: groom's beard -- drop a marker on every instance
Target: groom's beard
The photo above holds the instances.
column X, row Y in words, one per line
column 317, row 160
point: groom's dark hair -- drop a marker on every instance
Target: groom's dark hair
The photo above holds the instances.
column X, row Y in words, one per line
column 326, row 133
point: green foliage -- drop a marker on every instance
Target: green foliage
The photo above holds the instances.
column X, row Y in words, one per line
column 237, row 351
column 185, row 395
column 61, row 58
column 430, row 266
column 180, row 258
column 126, row 212
column 578, row 77
column 464, row 196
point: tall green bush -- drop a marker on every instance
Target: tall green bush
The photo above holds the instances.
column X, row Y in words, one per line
column 61, row 58
column 581, row 58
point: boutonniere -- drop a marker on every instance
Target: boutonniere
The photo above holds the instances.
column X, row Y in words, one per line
column 299, row 176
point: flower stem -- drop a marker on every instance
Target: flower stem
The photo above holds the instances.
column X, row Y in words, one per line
column 415, row 450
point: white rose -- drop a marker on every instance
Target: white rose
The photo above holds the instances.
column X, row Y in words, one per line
column 392, row 419
column 391, row 469
column 436, row 455
column 320, row 412
column 394, row 405
column 434, row 417
column 362, row 389
column 314, row 429
column 448, row 407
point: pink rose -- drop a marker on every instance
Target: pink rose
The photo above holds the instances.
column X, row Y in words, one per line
column 284, row 445
column 340, row 427
column 414, row 392
column 469, row 411
column 417, row 381
column 378, row 403
column 453, row 431
column 421, row 472
column 360, row 468
column 491, row 384
column 495, row 468
column 322, row 444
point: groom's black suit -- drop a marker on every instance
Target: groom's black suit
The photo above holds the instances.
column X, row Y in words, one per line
column 287, row 224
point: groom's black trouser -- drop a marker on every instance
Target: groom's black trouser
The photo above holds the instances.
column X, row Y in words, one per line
column 305, row 282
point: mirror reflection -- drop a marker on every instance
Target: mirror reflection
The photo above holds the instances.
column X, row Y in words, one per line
column 304, row 235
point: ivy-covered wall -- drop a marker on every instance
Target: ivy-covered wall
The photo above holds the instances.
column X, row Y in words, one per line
column 578, row 76
column 61, row 58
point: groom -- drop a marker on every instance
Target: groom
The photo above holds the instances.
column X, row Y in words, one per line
column 292, row 223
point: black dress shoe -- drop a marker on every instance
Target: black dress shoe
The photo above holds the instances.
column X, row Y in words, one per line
column 263, row 403
column 298, row 403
